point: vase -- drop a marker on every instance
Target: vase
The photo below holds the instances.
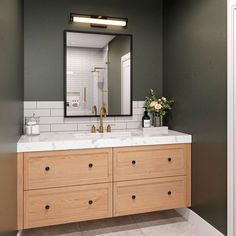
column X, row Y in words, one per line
column 157, row 120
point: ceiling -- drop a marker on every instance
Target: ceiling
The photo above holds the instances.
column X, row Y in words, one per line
column 75, row 39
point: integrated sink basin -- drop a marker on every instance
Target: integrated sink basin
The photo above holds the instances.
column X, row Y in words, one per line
column 104, row 135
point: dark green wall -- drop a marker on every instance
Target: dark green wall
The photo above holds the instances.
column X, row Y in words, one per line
column 11, row 107
column 195, row 70
column 118, row 47
column 44, row 24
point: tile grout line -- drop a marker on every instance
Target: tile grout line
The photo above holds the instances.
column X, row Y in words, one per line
column 123, row 123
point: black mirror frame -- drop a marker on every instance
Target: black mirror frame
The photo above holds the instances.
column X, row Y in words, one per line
column 65, row 74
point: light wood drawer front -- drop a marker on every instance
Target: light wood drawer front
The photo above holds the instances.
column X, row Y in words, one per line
column 149, row 162
column 64, row 205
column 67, row 168
column 131, row 197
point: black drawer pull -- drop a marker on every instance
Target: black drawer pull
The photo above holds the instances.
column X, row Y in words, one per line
column 90, row 165
column 133, row 162
column 169, row 159
column 90, row 202
column 133, row 197
column 47, row 207
column 47, row 168
column 169, row 193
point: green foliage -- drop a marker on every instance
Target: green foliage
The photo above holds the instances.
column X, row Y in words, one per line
column 159, row 106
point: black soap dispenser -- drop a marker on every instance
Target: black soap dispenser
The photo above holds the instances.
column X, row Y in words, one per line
column 146, row 121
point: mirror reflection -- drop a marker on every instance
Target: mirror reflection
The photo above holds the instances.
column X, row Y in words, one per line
column 98, row 74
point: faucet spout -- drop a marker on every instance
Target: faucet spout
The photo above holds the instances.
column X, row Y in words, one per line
column 103, row 113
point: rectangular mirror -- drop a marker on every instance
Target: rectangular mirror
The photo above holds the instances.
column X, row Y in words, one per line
column 98, row 73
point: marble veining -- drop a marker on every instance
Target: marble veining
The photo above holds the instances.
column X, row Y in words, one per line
column 78, row 140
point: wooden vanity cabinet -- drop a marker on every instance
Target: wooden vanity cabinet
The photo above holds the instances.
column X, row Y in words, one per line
column 67, row 168
column 149, row 162
column 151, row 178
column 139, row 196
column 67, row 204
column 60, row 187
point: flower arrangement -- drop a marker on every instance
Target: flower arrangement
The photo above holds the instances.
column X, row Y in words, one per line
column 158, row 106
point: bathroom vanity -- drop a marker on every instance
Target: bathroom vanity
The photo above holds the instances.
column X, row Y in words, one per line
column 70, row 177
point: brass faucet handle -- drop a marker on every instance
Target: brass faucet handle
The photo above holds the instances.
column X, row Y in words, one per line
column 95, row 110
column 109, row 128
column 93, row 129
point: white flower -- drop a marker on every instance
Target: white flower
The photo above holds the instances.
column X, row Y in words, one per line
column 163, row 98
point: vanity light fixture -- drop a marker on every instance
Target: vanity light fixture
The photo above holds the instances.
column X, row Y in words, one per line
column 98, row 21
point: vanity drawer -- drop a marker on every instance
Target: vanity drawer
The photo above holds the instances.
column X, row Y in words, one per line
column 67, row 168
column 132, row 197
column 69, row 204
column 149, row 162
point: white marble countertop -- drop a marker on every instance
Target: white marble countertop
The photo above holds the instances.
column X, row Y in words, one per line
column 65, row 141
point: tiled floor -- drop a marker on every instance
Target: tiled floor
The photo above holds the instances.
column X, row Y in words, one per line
column 165, row 223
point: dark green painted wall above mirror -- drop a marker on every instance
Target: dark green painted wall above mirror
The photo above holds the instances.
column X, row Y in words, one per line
column 46, row 20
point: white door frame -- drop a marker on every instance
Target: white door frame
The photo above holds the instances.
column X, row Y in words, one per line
column 231, row 124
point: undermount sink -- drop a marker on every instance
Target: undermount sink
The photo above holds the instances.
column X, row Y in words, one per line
column 104, row 135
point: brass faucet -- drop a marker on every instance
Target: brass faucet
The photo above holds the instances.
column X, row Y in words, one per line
column 95, row 110
column 103, row 113
column 109, row 129
column 93, row 129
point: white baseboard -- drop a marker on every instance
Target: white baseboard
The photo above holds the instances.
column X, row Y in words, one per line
column 202, row 226
column 20, row 233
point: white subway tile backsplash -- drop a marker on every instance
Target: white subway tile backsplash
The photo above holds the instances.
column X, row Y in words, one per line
column 141, row 104
column 30, row 105
column 37, row 112
column 135, row 104
column 52, row 118
column 139, row 117
column 76, row 120
column 123, row 118
column 138, row 111
column 86, row 126
column 116, row 126
column 63, row 127
column 109, row 119
column 45, row 128
column 57, row 112
column 94, row 119
column 136, row 118
column 52, row 105
column 127, row 118
column 134, row 125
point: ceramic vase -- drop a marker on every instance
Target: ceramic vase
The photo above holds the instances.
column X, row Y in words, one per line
column 157, row 120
